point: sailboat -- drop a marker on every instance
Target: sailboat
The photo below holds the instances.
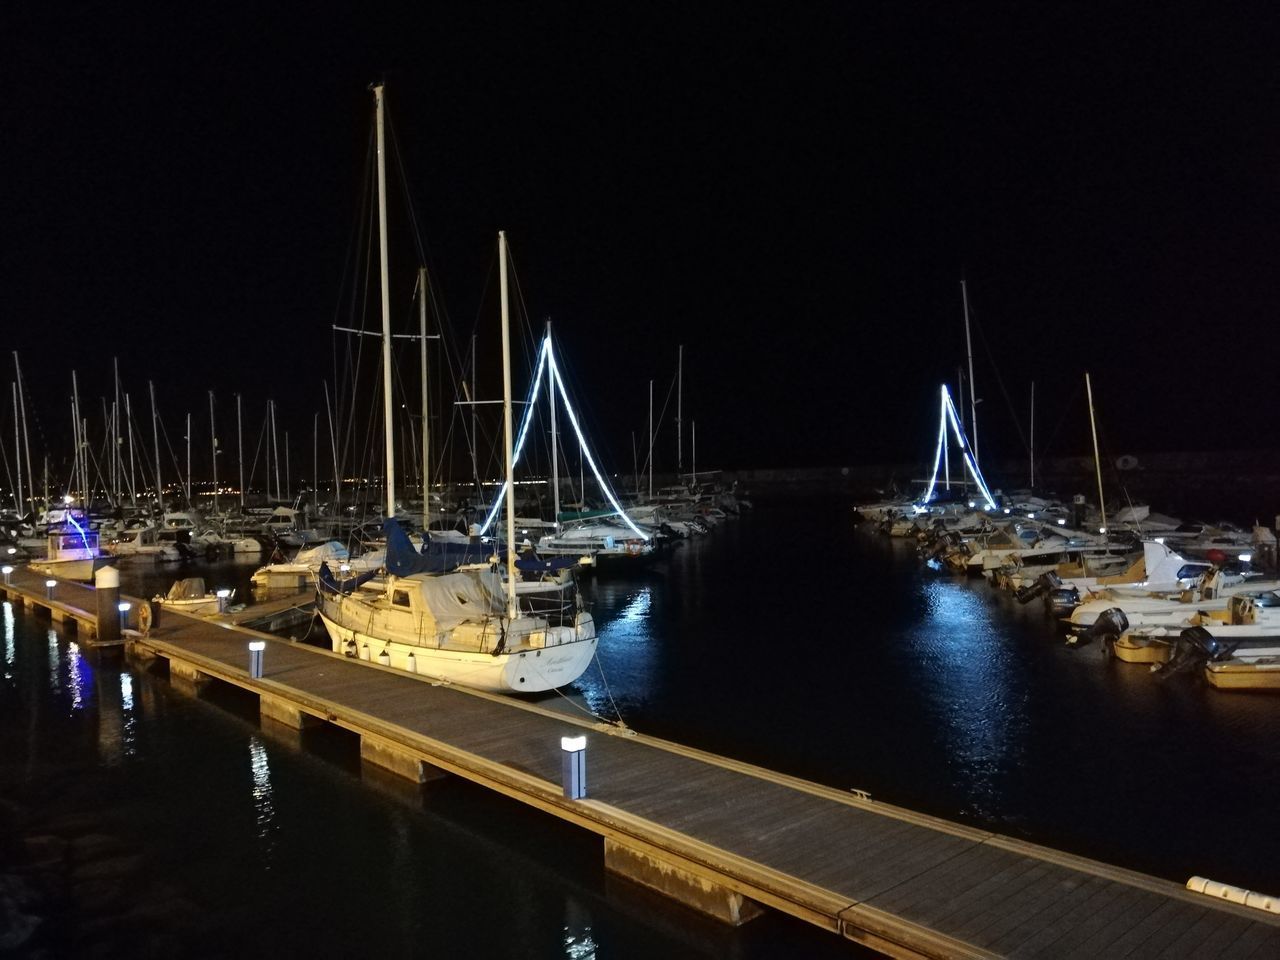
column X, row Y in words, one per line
column 464, row 627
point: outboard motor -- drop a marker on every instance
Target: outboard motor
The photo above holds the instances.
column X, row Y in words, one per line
column 1196, row 646
column 1110, row 623
column 1062, row 600
column 1041, row 584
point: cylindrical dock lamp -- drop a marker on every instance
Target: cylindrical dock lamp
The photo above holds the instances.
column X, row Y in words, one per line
column 124, row 606
column 255, row 658
column 8, row 574
column 573, row 767
column 222, row 596
column 48, row 588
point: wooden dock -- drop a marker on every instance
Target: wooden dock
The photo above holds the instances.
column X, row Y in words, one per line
column 727, row 837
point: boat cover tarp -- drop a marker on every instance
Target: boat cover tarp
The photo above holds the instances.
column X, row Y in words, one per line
column 437, row 556
column 331, row 584
column 455, row 598
column 332, row 550
column 190, row 589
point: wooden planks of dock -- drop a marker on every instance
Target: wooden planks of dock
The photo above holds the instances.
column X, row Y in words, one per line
column 722, row 835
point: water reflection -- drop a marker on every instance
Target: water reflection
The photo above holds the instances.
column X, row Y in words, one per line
column 263, row 802
column 79, row 676
column 626, row 649
column 965, row 674
column 55, row 659
column 579, row 944
column 9, row 648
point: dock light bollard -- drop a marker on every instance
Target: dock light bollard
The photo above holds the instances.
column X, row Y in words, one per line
column 222, row 596
column 573, row 767
column 8, row 574
column 124, row 607
column 255, row 658
column 48, row 588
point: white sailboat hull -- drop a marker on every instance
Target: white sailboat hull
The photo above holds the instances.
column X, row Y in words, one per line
column 521, row 671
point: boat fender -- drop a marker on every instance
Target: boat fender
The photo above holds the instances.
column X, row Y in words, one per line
column 412, row 665
column 364, row 651
column 384, row 658
column 144, row 618
column 349, row 649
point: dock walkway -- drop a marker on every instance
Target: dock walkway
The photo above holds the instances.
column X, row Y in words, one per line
column 724, row 836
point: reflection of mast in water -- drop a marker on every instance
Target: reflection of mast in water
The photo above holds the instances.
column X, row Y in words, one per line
column 55, row 661
column 10, row 650
column 111, row 720
column 260, row 769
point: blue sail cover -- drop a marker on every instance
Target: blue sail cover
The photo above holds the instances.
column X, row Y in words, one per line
column 330, row 584
column 436, row 556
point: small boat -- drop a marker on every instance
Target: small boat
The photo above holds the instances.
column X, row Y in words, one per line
column 190, row 596
column 71, row 550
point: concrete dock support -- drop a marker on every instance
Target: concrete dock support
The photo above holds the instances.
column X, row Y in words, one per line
column 274, row 710
column 381, row 754
column 701, row 893
column 106, row 583
column 185, row 677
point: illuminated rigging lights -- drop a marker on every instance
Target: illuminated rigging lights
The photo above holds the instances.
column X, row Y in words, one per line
column 948, row 414
column 546, row 356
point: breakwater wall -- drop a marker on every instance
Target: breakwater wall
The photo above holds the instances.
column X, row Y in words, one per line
column 1240, row 486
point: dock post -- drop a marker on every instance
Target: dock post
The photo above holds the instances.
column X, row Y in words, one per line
column 106, row 585
column 573, row 767
column 256, row 648
column 8, row 574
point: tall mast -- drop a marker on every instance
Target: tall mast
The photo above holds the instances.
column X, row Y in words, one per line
column 213, row 448
column 275, row 450
column 315, row 460
column 555, row 458
column 506, row 429
column 240, row 458
column 17, row 445
column 128, row 421
column 155, row 440
column 190, row 505
column 679, row 413
column 75, row 439
column 694, row 449
column 1032, row 445
column 288, row 485
column 26, row 437
column 386, row 306
column 333, row 446
column 651, row 439
column 1097, row 463
column 426, row 433
column 82, row 481
column 968, row 343
column 475, row 439
column 117, row 470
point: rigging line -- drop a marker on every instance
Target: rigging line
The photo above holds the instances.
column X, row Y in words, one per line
column 1062, row 419
column 608, row 692
column 991, row 360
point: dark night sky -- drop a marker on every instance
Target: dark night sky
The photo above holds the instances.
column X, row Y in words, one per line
column 792, row 192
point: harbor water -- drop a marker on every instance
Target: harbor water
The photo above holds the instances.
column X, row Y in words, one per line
column 136, row 819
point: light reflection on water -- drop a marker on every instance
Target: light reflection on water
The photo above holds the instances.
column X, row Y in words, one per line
column 963, row 671
column 9, row 648
column 55, row 660
column 79, row 676
column 628, row 652
column 263, row 802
